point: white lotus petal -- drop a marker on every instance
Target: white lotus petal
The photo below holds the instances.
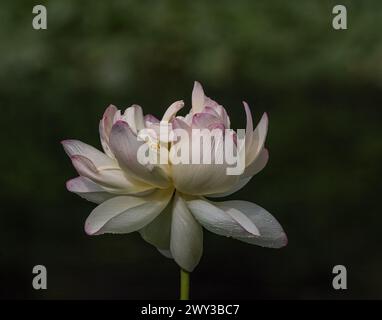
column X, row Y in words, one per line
column 150, row 119
column 134, row 117
column 88, row 190
column 125, row 146
column 214, row 216
column 100, row 168
column 203, row 179
column 204, row 120
column 186, row 236
column 258, row 164
column 209, row 103
column 212, row 107
column 188, row 118
column 223, row 115
column 197, row 98
column 229, row 223
column 79, row 148
column 272, row 234
column 209, row 109
column 260, row 133
column 105, row 127
column 180, row 123
column 172, row 110
column 258, row 140
column 112, row 179
column 249, row 127
column 125, row 214
column 236, row 187
column 255, row 167
column 158, row 231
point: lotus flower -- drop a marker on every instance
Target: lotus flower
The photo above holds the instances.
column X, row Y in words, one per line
column 166, row 202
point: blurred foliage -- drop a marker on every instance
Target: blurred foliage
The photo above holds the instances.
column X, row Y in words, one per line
column 321, row 88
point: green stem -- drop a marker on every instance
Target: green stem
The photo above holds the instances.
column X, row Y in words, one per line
column 184, row 285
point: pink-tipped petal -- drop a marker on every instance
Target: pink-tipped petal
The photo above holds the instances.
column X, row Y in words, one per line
column 105, row 127
column 88, row 190
column 218, row 126
column 197, row 98
column 221, row 114
column 211, row 111
column 203, row 120
column 110, row 177
column 180, row 124
column 75, row 147
column 149, row 118
column 84, row 166
column 82, row 185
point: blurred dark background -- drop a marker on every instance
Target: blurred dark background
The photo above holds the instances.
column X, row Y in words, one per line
column 321, row 88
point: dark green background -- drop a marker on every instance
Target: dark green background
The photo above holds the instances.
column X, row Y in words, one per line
column 321, row 88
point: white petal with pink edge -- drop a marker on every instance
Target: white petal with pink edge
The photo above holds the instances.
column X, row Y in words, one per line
column 78, row 148
column 88, row 190
column 125, row 214
column 111, row 179
column 105, row 126
column 98, row 167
